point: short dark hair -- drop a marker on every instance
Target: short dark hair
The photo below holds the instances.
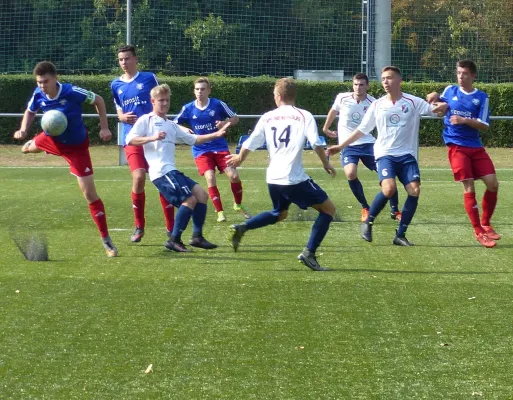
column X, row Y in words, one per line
column 125, row 48
column 469, row 64
column 45, row 67
column 361, row 75
column 203, row 79
column 392, row 68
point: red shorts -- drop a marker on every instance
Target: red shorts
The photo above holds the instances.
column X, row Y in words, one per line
column 77, row 156
column 211, row 160
column 469, row 162
column 135, row 158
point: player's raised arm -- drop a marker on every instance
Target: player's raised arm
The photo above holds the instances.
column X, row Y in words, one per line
column 357, row 134
column 28, row 118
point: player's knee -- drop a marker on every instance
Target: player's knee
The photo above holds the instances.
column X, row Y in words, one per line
column 351, row 175
column 201, row 196
column 414, row 191
column 190, row 202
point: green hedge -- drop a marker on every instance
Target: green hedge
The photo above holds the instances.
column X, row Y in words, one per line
column 251, row 96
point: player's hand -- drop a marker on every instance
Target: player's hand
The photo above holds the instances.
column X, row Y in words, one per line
column 330, row 133
column 128, row 118
column 432, row 97
column 20, row 135
column 440, row 108
column 330, row 170
column 332, row 150
column 233, row 160
column 457, row 120
column 221, row 132
column 105, row 134
column 159, row 136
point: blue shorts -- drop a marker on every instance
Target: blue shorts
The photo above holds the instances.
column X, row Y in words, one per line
column 404, row 167
column 304, row 195
column 175, row 187
column 363, row 152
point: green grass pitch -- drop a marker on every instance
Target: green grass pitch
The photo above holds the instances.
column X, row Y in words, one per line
column 429, row 322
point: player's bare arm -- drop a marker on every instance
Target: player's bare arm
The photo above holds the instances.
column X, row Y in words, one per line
column 128, row 118
column 473, row 123
column 432, row 97
column 332, row 150
column 105, row 133
column 232, row 121
column 140, row 140
column 329, row 120
column 211, row 136
column 235, row 160
column 325, row 162
column 28, row 118
column 440, row 108
column 185, row 129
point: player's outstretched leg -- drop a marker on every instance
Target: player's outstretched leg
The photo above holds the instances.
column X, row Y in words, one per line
column 182, row 217
column 199, row 215
column 377, row 205
column 258, row 221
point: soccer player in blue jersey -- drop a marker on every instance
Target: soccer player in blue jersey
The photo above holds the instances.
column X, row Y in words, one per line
column 131, row 93
column 396, row 116
column 206, row 115
column 73, row 144
column 351, row 107
column 468, row 113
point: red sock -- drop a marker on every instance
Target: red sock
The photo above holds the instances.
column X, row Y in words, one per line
column 237, row 192
column 138, row 202
column 213, row 192
column 469, row 200
column 169, row 213
column 488, row 204
column 97, row 211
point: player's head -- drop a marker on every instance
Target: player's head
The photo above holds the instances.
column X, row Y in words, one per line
column 285, row 91
column 391, row 79
column 160, row 99
column 202, row 88
column 360, row 84
column 127, row 59
column 466, row 71
column 46, row 77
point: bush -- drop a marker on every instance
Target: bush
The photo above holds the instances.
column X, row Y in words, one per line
column 251, row 96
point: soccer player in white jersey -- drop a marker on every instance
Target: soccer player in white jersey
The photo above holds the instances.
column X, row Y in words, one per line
column 397, row 118
column 285, row 130
column 469, row 113
column 158, row 136
column 351, row 107
column 131, row 94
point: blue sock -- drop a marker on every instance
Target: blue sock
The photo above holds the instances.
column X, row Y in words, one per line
column 394, row 202
column 356, row 187
column 260, row 220
column 377, row 205
column 199, row 214
column 319, row 230
column 409, row 208
column 182, row 217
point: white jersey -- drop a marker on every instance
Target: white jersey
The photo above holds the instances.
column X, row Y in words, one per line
column 350, row 114
column 285, row 130
column 397, row 124
column 159, row 154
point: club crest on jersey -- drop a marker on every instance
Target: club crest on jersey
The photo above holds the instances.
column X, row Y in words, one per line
column 212, row 113
column 356, row 117
column 404, row 109
column 63, row 102
column 394, row 119
column 475, row 102
column 139, row 86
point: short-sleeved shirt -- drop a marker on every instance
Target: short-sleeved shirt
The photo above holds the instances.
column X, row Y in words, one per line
column 285, row 130
column 473, row 105
column 397, row 124
column 69, row 100
column 133, row 95
column 202, row 121
column 350, row 114
column 160, row 154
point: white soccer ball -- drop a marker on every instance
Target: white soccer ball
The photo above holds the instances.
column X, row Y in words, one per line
column 54, row 122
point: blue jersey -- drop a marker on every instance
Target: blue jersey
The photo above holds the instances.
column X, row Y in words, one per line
column 69, row 100
column 203, row 121
column 133, row 96
column 473, row 105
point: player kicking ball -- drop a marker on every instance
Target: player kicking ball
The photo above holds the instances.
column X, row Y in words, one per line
column 158, row 136
column 285, row 130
